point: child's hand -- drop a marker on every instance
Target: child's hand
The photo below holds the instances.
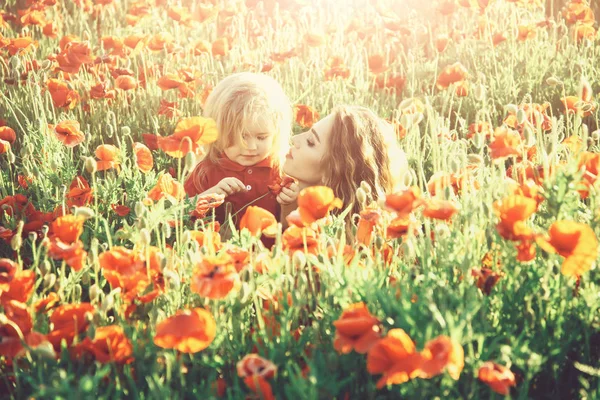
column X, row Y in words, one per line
column 229, row 186
column 288, row 194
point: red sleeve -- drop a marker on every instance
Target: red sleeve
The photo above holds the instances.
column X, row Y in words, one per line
column 197, row 181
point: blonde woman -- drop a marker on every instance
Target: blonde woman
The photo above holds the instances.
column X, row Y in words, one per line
column 254, row 119
column 347, row 147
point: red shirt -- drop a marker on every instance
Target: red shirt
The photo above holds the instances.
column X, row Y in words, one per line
column 255, row 177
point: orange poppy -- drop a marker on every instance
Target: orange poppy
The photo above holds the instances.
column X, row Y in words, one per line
column 215, row 277
column 356, row 329
column 68, row 320
column 107, row 154
column 8, row 134
column 80, row 193
column 506, row 143
column 280, row 183
column 73, row 55
column 255, row 371
column 400, row 226
column 392, row 81
column 109, row 345
column 45, row 304
column 439, row 209
column 576, row 242
column 168, row 187
column 257, row 220
column 68, row 133
column 21, row 45
column 498, row 377
column 207, row 238
column 12, row 347
column 126, row 82
column 143, row 157
column 202, row 47
column 369, row 218
column 377, row 63
column 577, row 11
column 207, row 202
column 220, row 47
column 61, row 95
column 4, row 146
column 314, row 39
column 239, row 256
column 8, row 269
column 18, row 314
column 190, row 135
column 315, row 202
column 296, row 238
column 395, row 357
column 20, row 287
column 576, row 105
column 169, row 81
column 451, row 74
column 305, row 115
column 188, row 331
column 526, row 32
column 484, row 128
column 67, row 228
column 441, row 42
column 581, row 32
column 513, row 211
column 439, row 354
column 72, row 253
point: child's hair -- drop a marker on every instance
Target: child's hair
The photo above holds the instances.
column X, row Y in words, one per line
column 362, row 147
column 245, row 98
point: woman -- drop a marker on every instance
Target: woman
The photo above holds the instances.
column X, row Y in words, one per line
column 347, row 147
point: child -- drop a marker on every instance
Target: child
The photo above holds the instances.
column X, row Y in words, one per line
column 254, row 119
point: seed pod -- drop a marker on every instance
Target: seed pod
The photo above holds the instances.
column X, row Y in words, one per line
column 139, row 209
column 145, row 236
column 529, row 136
column 45, row 267
column 190, row 161
column 521, row 116
column 299, row 259
column 454, row 165
column 32, row 237
column 596, row 135
column 366, row 187
column 16, row 242
column 186, row 237
column 125, row 131
column 10, row 157
column 77, row 289
column 361, row 196
column 166, row 230
column 94, row 292
column 84, row 212
column 474, row 159
column 553, row 81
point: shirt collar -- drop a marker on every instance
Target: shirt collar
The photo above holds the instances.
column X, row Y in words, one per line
column 230, row 165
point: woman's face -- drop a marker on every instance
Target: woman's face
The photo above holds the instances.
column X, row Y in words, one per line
column 303, row 162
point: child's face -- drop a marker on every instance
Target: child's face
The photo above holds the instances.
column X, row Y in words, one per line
column 258, row 141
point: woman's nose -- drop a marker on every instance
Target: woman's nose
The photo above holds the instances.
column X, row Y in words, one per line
column 295, row 141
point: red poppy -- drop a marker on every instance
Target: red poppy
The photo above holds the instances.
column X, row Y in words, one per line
column 257, row 220
column 215, row 277
column 80, row 193
column 190, row 135
column 498, row 377
column 356, row 329
column 68, row 133
column 188, row 331
column 451, row 74
column 315, row 202
column 439, row 354
column 305, row 115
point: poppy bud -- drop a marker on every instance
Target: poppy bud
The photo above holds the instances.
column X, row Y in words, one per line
column 454, row 165
column 32, row 237
column 10, row 157
column 172, row 279
column 529, row 136
column 44, row 267
column 45, row 230
column 361, row 196
column 186, row 237
column 15, row 63
column 49, row 280
column 145, row 237
column 139, row 209
column 16, row 242
column 478, row 140
column 190, row 161
column 521, row 116
column 479, row 92
column 596, row 135
column 94, row 292
column 553, row 81
column 85, row 212
column 126, row 131
column 90, row 165
column 550, row 147
column 511, row 108
column 379, row 241
column 46, row 64
column 108, row 303
column 299, row 259
column 44, row 350
column 85, row 278
column 366, row 187
column 77, row 290
column 166, row 230
column 474, row 159
column 406, row 121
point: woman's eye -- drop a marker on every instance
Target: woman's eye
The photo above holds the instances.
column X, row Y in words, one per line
column 310, row 143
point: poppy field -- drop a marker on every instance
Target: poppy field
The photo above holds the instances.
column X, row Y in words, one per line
column 479, row 280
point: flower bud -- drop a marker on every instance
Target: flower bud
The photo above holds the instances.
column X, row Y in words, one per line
column 90, row 165
column 16, row 242
column 139, row 209
column 511, row 108
column 361, row 196
column 190, row 161
column 166, row 230
column 94, row 292
column 521, row 116
column 553, row 81
column 45, row 267
column 84, row 212
column 474, row 159
column 49, row 280
column 145, row 236
column 78, row 290
column 125, row 131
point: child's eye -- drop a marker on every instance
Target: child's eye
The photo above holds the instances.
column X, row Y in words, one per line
column 262, row 138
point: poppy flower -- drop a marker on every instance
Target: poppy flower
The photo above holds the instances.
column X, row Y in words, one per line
column 255, row 371
column 202, row 47
column 392, row 81
column 207, row 238
column 168, row 187
column 4, row 146
column 205, row 203
column 169, row 81
column 190, row 135
column 506, row 143
column 169, row 108
column 45, row 304
column 276, row 187
column 61, row 95
column 68, row 133
column 314, row 39
column 18, row 314
column 68, row 320
column 80, row 193
column 395, row 357
column 439, row 209
column 143, row 157
column 498, row 377
column 12, row 347
column 215, row 277
column 296, row 238
column 400, row 226
column 126, row 82
column 356, row 329
column 441, row 42
column 451, row 74
column 107, row 155
column 20, row 287
column 439, row 354
column 369, row 218
column 72, row 253
column 526, row 32
column 110, row 344
column 8, row 134
column 578, row 11
column 377, row 63
column 21, row 45
column 513, row 211
column 576, row 242
column 67, row 228
column 305, row 115
column 485, row 279
column 73, row 55
column 240, row 257
column 220, row 47
column 581, row 32
column 8, row 269
column 257, row 220
column 188, row 331
column 315, row 202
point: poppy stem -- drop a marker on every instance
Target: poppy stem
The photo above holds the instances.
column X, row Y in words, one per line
column 252, row 202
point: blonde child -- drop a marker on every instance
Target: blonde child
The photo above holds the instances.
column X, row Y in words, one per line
column 254, row 119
